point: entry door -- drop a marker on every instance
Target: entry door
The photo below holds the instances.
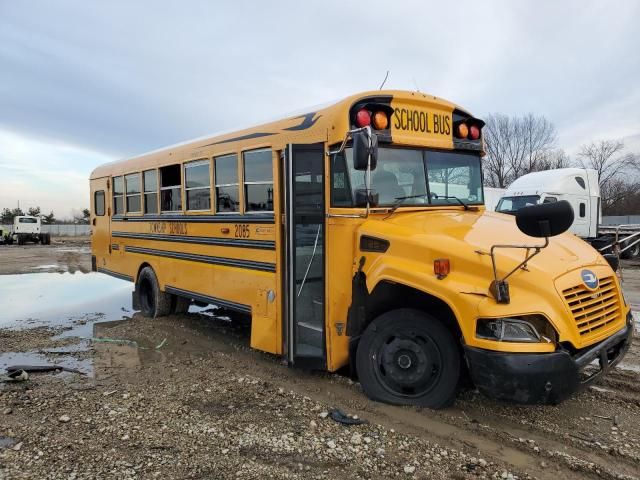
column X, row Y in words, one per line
column 304, row 276
column 100, row 215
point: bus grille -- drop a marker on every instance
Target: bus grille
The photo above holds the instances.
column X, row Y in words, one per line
column 593, row 309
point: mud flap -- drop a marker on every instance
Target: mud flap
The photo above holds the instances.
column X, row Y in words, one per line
column 357, row 313
column 135, row 299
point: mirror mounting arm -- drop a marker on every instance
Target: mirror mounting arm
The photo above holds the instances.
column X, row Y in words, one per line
column 346, row 139
column 499, row 287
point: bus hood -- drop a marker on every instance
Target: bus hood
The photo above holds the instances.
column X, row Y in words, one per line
column 461, row 235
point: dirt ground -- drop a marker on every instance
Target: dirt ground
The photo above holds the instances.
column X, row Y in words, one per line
column 185, row 397
column 65, row 254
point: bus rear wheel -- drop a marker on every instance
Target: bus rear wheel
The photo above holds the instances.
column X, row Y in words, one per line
column 153, row 301
column 408, row 357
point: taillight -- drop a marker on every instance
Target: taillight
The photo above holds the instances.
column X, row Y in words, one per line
column 363, row 118
column 380, row 120
column 474, row 132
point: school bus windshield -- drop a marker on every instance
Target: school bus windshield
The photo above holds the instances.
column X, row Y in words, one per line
column 431, row 177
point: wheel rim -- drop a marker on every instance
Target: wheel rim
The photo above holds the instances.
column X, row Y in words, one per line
column 407, row 363
column 146, row 296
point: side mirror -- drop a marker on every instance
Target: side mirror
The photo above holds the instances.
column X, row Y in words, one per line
column 545, row 220
column 362, row 198
column 361, row 150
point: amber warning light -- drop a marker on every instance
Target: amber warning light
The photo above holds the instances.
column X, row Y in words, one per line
column 378, row 119
column 441, row 267
column 468, row 129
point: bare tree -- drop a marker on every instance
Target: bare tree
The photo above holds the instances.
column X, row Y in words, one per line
column 606, row 158
column 612, row 165
column 615, row 194
column 516, row 146
column 552, row 159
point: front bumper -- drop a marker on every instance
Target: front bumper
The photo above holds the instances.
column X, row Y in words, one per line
column 547, row 378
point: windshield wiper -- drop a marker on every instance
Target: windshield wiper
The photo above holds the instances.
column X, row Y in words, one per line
column 398, row 201
column 466, row 207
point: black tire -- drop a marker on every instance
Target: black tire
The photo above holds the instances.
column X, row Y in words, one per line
column 180, row 304
column 9, row 240
column 154, row 302
column 394, row 356
column 631, row 252
column 21, row 240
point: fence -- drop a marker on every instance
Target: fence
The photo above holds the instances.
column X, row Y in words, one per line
column 620, row 219
column 62, row 230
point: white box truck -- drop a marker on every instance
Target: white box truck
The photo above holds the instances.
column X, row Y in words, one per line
column 28, row 229
column 578, row 186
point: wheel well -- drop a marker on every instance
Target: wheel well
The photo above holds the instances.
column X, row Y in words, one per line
column 143, row 265
column 390, row 296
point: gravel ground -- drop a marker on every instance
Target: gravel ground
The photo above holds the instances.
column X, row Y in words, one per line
column 188, row 411
column 185, row 397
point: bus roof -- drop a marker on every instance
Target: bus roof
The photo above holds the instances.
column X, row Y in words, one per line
column 303, row 127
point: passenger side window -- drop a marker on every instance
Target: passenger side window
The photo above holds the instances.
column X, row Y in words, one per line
column 132, row 184
column 258, row 181
column 150, row 178
column 197, row 185
column 118, row 196
column 226, row 173
column 98, row 203
column 170, row 189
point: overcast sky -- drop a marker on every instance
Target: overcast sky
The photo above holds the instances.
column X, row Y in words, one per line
column 82, row 83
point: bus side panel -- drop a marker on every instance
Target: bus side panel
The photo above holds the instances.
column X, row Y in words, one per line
column 248, row 287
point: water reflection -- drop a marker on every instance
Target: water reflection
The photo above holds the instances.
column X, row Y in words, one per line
column 62, row 299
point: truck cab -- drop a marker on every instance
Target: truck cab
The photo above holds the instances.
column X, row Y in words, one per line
column 28, row 228
column 578, row 186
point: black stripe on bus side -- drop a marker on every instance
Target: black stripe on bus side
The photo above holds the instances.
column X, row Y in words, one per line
column 196, row 218
column 121, row 276
column 228, row 262
column 115, row 246
column 224, row 242
column 239, row 307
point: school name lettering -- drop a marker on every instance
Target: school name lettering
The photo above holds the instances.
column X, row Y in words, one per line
column 421, row 121
column 175, row 228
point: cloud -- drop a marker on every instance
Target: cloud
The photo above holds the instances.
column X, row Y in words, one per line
column 53, row 176
column 121, row 78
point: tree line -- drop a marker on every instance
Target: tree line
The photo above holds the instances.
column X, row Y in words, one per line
column 8, row 214
column 517, row 145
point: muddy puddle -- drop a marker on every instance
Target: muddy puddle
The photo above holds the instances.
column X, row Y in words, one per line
column 61, row 300
column 67, row 305
column 57, row 315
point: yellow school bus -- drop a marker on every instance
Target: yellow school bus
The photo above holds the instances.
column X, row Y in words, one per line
column 355, row 236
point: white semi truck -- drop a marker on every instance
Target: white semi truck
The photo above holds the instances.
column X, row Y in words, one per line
column 27, row 228
column 579, row 186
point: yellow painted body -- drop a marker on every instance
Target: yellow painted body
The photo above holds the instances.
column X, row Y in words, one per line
column 416, row 236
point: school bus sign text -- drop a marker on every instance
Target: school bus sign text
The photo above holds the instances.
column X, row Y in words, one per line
column 421, row 121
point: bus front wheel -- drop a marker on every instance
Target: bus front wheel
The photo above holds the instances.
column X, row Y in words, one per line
column 153, row 301
column 408, row 357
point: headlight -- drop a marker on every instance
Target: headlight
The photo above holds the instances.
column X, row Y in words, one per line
column 529, row 328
